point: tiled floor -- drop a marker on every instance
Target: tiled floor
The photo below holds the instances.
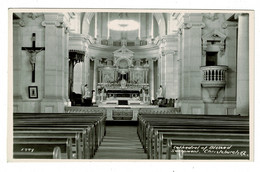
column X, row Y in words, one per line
column 121, row 142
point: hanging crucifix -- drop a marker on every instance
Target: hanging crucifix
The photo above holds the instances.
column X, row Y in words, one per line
column 33, row 52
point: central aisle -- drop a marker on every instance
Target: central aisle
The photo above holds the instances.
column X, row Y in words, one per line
column 120, row 142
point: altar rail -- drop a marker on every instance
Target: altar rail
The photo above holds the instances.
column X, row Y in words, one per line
column 78, row 109
column 122, row 112
column 162, row 110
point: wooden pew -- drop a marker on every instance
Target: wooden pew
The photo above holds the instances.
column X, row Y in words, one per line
column 85, row 137
column 60, row 122
column 191, row 124
column 142, row 119
column 164, row 120
column 66, row 121
column 42, row 149
column 99, row 118
column 157, row 131
column 216, row 148
column 195, row 136
column 78, row 139
column 151, row 124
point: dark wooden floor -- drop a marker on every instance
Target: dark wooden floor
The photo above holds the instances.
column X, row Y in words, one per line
column 121, row 142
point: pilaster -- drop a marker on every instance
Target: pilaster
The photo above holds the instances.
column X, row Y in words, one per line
column 95, row 78
column 169, row 48
column 243, row 65
column 231, row 60
column 151, row 79
column 55, row 63
column 191, row 60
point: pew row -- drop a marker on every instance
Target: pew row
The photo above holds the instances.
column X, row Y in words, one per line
column 89, row 130
column 152, row 128
column 217, row 148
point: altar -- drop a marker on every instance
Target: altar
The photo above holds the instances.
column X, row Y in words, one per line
column 123, row 80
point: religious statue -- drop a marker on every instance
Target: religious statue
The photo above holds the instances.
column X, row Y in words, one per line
column 143, row 92
column 102, row 95
column 123, row 83
column 86, row 96
column 86, row 93
column 33, row 54
column 160, row 92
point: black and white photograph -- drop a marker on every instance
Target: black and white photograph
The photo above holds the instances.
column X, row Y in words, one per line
column 131, row 85
column 131, row 88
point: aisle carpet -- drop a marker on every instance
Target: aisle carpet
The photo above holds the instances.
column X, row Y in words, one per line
column 121, row 142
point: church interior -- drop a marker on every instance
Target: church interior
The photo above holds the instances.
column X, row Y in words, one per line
column 131, row 85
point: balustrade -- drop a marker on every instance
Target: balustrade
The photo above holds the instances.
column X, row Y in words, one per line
column 214, row 74
column 214, row 78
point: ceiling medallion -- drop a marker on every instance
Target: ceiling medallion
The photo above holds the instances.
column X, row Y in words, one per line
column 123, row 23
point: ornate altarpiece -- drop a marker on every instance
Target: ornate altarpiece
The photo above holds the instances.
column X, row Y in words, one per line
column 123, row 75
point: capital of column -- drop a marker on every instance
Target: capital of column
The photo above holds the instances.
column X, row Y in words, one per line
column 34, row 15
column 237, row 15
column 190, row 25
column 229, row 24
column 19, row 22
column 167, row 52
column 56, row 19
column 151, row 60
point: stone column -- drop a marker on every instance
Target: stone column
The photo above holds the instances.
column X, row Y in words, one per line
column 191, row 91
column 139, row 29
column 98, row 27
column 18, row 58
column 108, row 29
column 171, row 75
column 243, row 65
column 159, row 72
column 230, row 57
column 55, row 56
column 84, row 72
column 149, row 29
column 151, row 79
column 163, row 70
column 66, row 68
column 179, row 63
column 169, row 52
column 95, row 77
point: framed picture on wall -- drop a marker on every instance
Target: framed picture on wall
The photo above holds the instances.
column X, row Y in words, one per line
column 33, row 92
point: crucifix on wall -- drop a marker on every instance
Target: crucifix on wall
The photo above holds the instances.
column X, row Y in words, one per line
column 33, row 51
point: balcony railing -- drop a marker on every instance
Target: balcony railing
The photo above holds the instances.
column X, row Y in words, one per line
column 214, row 78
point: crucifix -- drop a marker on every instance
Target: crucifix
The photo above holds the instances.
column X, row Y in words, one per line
column 33, row 52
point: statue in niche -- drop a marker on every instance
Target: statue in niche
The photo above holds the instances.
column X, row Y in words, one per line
column 123, row 83
column 86, row 96
column 138, row 77
column 86, row 93
column 102, row 95
column 106, row 78
column 143, row 94
column 160, row 92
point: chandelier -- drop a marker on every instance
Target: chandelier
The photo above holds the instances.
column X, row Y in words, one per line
column 123, row 23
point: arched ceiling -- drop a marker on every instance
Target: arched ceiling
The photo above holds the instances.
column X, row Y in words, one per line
column 160, row 23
